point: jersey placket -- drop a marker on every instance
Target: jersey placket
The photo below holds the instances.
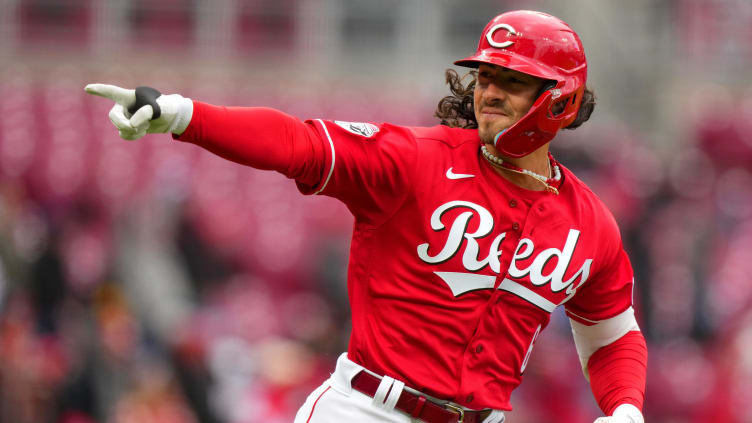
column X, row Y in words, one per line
column 512, row 218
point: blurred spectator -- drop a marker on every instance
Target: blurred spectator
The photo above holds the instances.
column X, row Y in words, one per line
column 154, row 282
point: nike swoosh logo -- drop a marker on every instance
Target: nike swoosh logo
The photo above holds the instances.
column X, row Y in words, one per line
column 451, row 175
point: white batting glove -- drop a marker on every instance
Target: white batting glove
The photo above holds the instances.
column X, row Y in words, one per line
column 625, row 413
column 144, row 110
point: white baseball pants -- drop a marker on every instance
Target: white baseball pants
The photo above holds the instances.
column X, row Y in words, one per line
column 335, row 401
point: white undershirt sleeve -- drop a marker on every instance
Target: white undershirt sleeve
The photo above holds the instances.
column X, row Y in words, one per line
column 587, row 339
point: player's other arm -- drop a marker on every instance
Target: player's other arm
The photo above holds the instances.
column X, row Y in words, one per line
column 260, row 137
column 613, row 354
column 611, row 347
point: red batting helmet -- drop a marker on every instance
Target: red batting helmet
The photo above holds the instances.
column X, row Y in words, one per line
column 540, row 45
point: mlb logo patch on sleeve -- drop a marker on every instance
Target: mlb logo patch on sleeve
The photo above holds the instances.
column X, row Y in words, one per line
column 359, row 128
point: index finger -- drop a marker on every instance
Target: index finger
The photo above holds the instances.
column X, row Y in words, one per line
column 119, row 95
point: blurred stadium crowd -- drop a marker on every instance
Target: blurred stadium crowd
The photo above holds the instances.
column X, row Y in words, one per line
column 154, row 282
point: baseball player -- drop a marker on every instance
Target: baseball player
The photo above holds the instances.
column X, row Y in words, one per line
column 465, row 238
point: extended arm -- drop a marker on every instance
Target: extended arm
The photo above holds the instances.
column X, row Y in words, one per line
column 368, row 170
column 259, row 137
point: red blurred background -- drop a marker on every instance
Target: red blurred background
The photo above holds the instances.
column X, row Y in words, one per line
column 150, row 281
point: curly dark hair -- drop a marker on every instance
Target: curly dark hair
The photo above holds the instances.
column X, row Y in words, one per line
column 457, row 110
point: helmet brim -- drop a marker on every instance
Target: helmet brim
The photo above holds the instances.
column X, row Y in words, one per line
column 512, row 61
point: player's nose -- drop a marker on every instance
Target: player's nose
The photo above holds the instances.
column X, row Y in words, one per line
column 493, row 93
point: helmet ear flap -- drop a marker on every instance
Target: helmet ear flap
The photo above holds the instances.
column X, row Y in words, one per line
column 549, row 84
column 565, row 109
column 557, row 105
column 572, row 107
column 557, row 108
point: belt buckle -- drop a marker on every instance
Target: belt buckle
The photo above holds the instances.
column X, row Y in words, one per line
column 457, row 410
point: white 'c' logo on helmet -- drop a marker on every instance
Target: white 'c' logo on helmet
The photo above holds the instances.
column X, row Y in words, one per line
column 490, row 33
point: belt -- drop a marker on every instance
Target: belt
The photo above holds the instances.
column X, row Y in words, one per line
column 418, row 406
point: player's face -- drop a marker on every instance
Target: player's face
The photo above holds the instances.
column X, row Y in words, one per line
column 502, row 97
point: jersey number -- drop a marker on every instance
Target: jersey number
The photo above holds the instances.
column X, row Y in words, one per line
column 530, row 349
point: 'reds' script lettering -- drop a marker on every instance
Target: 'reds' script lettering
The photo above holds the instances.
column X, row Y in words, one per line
column 458, row 237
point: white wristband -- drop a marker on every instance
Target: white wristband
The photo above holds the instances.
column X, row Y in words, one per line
column 629, row 412
column 177, row 111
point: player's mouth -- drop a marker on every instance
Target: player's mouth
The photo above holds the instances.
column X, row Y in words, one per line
column 492, row 113
column 493, row 117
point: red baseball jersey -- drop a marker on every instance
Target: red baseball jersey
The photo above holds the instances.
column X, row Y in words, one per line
column 453, row 270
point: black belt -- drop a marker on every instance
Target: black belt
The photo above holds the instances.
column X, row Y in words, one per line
column 418, row 406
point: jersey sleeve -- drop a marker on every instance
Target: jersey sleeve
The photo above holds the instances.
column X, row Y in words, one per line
column 259, row 137
column 367, row 166
column 609, row 290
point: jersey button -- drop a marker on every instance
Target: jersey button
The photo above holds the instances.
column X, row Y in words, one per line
column 479, row 348
column 469, row 398
column 516, row 226
column 513, row 203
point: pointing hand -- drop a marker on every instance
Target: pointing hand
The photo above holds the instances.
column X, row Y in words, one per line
column 144, row 110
